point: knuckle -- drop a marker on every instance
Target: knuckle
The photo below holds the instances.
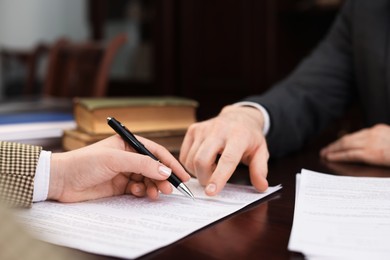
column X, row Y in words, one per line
column 227, row 158
column 348, row 155
column 267, row 155
column 146, row 164
column 182, row 159
column 200, row 162
column 193, row 128
column 344, row 140
column 381, row 155
column 203, row 179
column 379, row 128
column 221, row 124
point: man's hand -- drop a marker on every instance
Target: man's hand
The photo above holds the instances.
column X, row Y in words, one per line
column 371, row 146
column 212, row 149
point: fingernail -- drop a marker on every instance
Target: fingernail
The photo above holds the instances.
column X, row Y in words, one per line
column 137, row 189
column 164, row 170
column 211, row 188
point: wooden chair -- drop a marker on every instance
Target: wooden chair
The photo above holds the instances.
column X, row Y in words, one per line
column 80, row 69
column 27, row 60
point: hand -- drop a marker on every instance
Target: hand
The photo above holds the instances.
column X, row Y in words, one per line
column 110, row 167
column 235, row 134
column 371, row 146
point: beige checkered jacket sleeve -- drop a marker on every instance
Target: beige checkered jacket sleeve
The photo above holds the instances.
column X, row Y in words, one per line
column 18, row 164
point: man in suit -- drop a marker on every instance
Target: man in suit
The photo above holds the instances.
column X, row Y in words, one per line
column 107, row 168
column 351, row 63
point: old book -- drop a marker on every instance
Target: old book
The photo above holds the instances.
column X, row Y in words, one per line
column 139, row 114
column 76, row 138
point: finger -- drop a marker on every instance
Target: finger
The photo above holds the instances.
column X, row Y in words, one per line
column 123, row 161
column 352, row 141
column 205, row 159
column 186, row 146
column 356, row 155
column 226, row 165
column 136, row 177
column 191, row 143
column 151, row 189
column 258, row 168
column 137, row 189
column 165, row 187
column 166, row 158
column 189, row 162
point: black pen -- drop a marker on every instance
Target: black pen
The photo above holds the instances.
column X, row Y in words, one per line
column 140, row 148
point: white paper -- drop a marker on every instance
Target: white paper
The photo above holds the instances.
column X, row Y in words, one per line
column 341, row 217
column 129, row 227
column 24, row 131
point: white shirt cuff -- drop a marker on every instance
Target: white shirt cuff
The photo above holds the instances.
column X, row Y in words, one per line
column 267, row 121
column 42, row 177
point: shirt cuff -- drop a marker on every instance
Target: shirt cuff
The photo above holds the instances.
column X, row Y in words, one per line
column 267, row 121
column 42, row 177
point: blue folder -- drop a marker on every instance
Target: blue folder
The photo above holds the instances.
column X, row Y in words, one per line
column 35, row 117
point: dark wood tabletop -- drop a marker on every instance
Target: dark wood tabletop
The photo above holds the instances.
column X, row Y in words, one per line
column 261, row 230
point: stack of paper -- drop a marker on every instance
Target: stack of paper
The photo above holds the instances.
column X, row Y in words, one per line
column 341, row 217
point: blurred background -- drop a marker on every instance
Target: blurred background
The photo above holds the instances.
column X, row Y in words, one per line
column 213, row 51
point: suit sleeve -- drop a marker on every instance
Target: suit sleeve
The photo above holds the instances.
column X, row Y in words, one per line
column 18, row 164
column 318, row 91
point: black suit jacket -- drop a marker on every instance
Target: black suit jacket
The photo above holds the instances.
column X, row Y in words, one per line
column 351, row 62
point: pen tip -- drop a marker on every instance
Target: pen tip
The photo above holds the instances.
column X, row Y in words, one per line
column 184, row 189
column 108, row 119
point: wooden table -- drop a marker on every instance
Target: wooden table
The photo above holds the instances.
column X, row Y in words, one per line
column 261, row 230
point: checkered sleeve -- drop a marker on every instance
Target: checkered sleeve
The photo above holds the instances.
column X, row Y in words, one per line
column 18, row 164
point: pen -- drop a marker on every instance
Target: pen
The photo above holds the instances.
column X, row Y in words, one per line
column 140, row 148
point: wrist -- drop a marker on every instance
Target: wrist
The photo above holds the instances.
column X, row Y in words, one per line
column 254, row 114
column 56, row 177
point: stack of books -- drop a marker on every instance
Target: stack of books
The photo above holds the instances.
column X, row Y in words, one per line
column 35, row 120
column 163, row 120
column 34, row 125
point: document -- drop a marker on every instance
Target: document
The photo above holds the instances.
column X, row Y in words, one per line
column 129, row 227
column 341, row 217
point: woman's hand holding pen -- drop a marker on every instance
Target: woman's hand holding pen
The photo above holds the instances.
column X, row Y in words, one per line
column 110, row 167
